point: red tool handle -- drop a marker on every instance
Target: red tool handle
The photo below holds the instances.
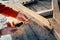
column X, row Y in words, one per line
column 7, row 11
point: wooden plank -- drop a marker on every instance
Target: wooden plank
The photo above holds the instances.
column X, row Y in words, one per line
column 56, row 13
column 55, row 22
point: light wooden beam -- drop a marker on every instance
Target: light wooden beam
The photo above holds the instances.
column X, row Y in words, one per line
column 56, row 17
column 56, row 13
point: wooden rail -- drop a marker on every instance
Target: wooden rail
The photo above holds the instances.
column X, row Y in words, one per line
column 56, row 13
column 56, row 17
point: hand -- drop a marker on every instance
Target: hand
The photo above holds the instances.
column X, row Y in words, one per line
column 22, row 17
column 9, row 29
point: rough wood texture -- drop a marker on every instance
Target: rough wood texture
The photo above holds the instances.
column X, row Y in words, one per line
column 40, row 5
